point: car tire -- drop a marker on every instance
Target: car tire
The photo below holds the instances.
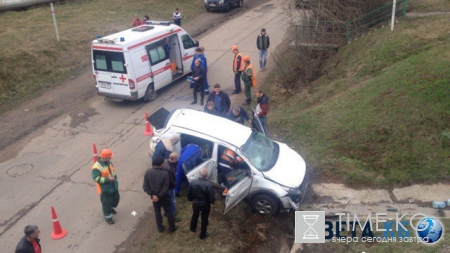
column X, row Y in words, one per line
column 265, row 204
column 208, row 10
column 239, row 4
column 228, row 8
column 150, row 94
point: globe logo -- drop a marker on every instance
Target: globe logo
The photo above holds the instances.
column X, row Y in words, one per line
column 429, row 230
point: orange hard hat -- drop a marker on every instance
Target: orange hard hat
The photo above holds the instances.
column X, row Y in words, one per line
column 246, row 58
column 234, row 47
column 106, row 153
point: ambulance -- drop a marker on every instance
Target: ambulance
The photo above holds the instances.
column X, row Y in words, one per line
column 137, row 62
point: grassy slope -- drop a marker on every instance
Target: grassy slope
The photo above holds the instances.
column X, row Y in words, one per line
column 30, row 57
column 381, row 116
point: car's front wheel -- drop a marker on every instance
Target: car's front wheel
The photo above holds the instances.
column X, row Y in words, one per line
column 265, row 204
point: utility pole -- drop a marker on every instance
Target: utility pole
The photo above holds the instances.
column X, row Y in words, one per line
column 393, row 15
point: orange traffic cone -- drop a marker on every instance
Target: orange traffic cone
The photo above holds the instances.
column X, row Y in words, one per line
column 58, row 232
column 94, row 149
column 148, row 127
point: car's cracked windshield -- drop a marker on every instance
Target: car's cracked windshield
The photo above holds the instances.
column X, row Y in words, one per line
column 261, row 151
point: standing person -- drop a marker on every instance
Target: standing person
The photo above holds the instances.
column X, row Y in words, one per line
column 191, row 152
column 156, row 184
column 263, row 43
column 170, row 165
column 261, row 109
column 221, row 100
column 177, row 17
column 238, row 115
column 201, row 193
column 238, row 67
column 146, row 18
column 30, row 242
column 136, row 21
column 249, row 78
column 165, row 147
column 200, row 55
column 107, row 185
column 198, row 75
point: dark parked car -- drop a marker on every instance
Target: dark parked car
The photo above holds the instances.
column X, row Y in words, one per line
column 211, row 5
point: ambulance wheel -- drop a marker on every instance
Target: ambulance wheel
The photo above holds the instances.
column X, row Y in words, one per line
column 150, row 94
column 264, row 204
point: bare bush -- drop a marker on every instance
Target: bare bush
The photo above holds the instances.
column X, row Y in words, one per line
column 319, row 29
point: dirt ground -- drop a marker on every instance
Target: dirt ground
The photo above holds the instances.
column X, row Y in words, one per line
column 73, row 96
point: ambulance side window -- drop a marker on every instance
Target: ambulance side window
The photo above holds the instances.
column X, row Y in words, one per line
column 187, row 41
column 117, row 63
column 157, row 53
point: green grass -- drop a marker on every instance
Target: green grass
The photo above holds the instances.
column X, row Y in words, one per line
column 429, row 5
column 381, row 116
column 31, row 59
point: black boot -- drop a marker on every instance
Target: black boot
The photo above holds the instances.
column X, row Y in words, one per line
column 194, row 102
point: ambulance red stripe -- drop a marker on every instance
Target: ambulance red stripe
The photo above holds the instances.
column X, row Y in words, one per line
column 152, row 39
column 119, row 49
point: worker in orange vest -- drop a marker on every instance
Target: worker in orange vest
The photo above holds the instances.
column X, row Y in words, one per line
column 228, row 161
column 238, row 67
column 107, row 185
column 249, row 78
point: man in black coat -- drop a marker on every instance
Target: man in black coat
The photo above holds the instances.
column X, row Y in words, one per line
column 201, row 193
column 156, row 184
column 30, row 242
column 198, row 75
column 221, row 100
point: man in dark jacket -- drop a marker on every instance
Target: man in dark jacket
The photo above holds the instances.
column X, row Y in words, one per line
column 30, row 242
column 221, row 100
column 263, row 43
column 198, row 75
column 165, row 147
column 239, row 115
column 170, row 165
column 156, row 184
column 201, row 193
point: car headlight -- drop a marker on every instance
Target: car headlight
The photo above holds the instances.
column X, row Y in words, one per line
column 221, row 1
column 206, row 1
column 293, row 191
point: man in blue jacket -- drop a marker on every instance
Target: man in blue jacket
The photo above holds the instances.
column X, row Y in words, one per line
column 191, row 154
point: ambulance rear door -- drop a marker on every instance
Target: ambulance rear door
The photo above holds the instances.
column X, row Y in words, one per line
column 111, row 73
column 188, row 50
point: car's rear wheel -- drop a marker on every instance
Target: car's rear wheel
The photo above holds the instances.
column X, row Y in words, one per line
column 265, row 204
column 150, row 93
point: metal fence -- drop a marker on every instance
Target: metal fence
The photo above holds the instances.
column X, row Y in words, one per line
column 334, row 34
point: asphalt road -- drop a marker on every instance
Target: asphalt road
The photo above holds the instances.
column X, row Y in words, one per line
column 53, row 168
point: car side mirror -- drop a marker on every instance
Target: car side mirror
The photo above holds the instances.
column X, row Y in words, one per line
column 197, row 43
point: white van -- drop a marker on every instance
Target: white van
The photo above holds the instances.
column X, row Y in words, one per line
column 136, row 63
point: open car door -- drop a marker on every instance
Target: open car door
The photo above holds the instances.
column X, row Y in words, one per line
column 194, row 173
column 239, row 188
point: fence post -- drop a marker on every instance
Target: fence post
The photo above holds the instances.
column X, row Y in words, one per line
column 404, row 9
column 347, row 32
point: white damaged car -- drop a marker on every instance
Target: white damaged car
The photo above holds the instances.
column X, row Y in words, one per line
column 274, row 178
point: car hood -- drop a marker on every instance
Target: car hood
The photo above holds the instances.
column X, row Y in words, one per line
column 290, row 168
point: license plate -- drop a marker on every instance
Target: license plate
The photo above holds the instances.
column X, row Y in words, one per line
column 105, row 85
column 212, row 4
